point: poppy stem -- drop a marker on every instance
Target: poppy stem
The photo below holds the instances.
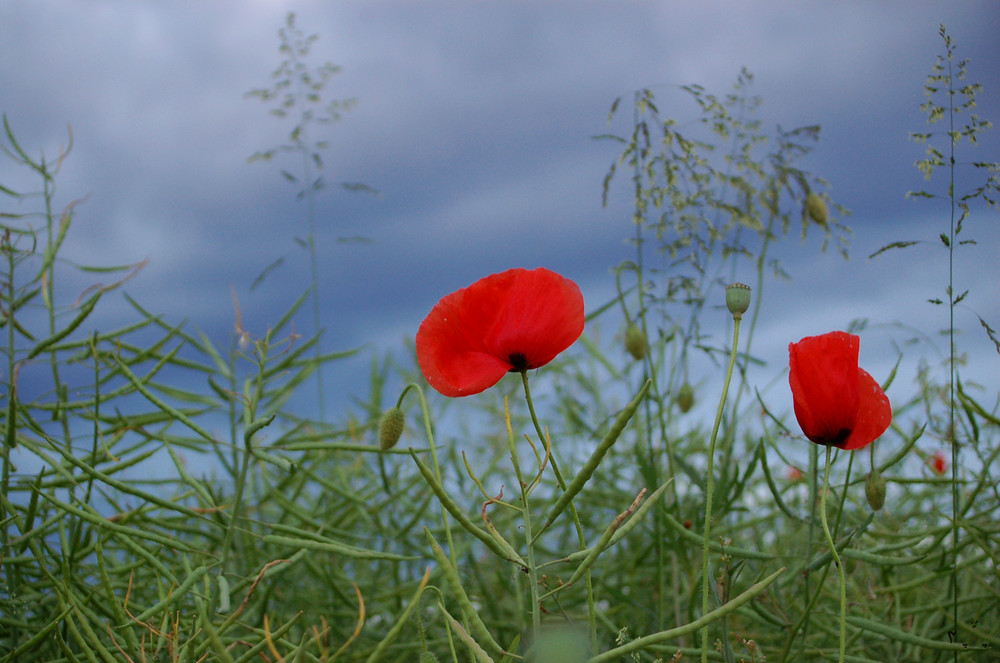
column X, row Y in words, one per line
column 592, row 606
column 536, row 621
column 538, row 429
column 709, row 486
column 836, row 558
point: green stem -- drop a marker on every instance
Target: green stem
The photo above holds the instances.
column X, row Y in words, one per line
column 237, row 500
column 591, row 605
column 529, row 539
column 301, row 144
column 425, row 411
column 951, row 352
column 250, row 426
column 836, row 558
column 10, row 434
column 709, row 486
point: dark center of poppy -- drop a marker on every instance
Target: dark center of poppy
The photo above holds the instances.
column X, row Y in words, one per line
column 838, row 439
column 518, row 361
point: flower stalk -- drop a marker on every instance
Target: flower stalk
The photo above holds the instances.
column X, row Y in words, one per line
column 737, row 307
column 836, row 558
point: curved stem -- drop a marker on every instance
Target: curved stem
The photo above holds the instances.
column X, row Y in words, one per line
column 836, row 559
column 706, row 577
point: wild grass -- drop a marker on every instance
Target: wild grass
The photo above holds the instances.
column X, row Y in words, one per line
column 162, row 499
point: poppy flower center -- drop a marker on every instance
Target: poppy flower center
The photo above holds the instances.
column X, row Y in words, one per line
column 840, row 437
column 518, row 361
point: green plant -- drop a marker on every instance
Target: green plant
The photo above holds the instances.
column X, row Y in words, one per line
column 949, row 98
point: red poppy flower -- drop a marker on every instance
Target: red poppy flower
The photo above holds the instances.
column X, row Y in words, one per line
column 507, row 322
column 938, row 463
column 836, row 402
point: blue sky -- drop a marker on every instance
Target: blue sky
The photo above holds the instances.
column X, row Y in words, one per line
column 475, row 122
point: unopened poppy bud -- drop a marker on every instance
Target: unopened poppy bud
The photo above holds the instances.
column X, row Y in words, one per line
column 875, row 490
column 635, row 342
column 685, row 397
column 816, row 209
column 428, row 657
column 390, row 428
column 737, row 299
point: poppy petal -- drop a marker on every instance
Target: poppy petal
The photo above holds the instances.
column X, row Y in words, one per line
column 540, row 316
column 874, row 413
column 450, row 357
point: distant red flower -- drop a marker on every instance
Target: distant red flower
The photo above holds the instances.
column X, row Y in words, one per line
column 836, row 402
column 507, row 322
column 794, row 474
column 938, row 463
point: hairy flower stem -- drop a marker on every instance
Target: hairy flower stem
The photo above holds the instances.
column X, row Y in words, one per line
column 836, row 558
column 525, row 485
column 591, row 606
column 709, row 486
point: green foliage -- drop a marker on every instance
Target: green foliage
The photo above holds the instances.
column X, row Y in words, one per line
column 952, row 100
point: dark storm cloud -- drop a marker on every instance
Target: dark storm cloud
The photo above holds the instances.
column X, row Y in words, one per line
column 474, row 122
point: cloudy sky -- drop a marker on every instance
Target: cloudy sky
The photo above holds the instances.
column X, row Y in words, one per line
column 474, row 121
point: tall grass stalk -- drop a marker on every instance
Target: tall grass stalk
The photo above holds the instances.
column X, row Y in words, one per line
column 947, row 80
column 299, row 91
column 707, row 575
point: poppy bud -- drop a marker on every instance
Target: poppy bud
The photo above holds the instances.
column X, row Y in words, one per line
column 428, row 657
column 685, row 397
column 635, row 342
column 816, row 209
column 390, row 428
column 875, row 490
column 737, row 299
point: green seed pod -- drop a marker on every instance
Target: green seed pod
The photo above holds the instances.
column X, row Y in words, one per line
column 816, row 209
column 737, row 299
column 685, row 397
column 390, row 428
column 635, row 342
column 875, row 490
